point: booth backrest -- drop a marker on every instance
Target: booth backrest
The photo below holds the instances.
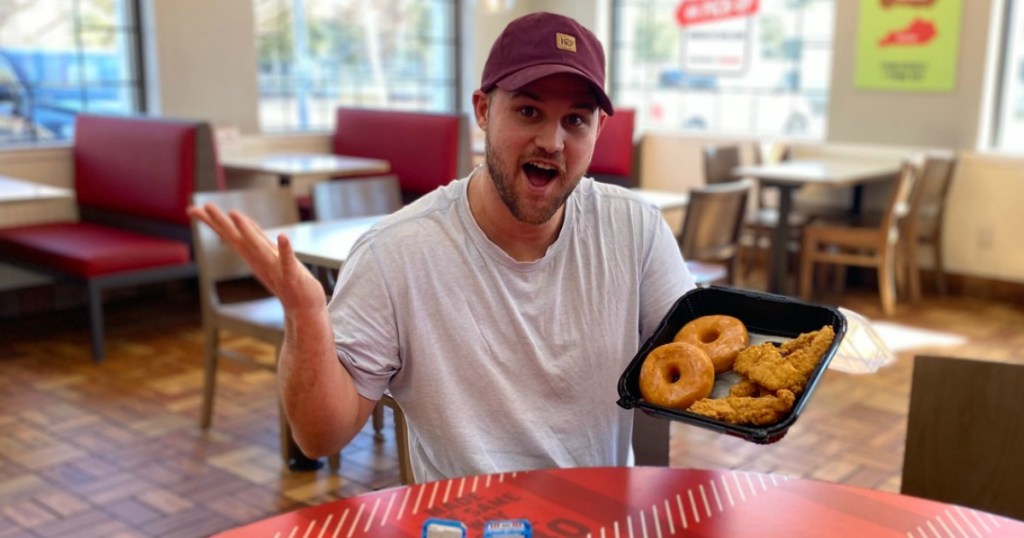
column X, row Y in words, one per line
column 613, row 152
column 142, row 167
column 425, row 150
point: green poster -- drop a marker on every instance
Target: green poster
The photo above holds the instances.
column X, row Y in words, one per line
column 908, row 45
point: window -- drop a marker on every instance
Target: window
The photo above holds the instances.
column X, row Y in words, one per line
column 62, row 57
column 1009, row 122
column 766, row 74
column 315, row 55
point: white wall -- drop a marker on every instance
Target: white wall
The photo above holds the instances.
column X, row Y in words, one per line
column 201, row 61
column 940, row 119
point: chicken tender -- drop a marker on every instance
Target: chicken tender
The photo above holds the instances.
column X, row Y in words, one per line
column 759, row 411
column 745, row 387
column 764, row 365
column 806, row 356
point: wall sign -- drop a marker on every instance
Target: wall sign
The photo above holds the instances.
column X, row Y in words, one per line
column 908, row 45
column 716, row 34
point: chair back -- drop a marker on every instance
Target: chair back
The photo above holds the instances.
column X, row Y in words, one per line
column 216, row 260
column 897, row 207
column 356, row 197
column 965, row 428
column 714, row 218
column 612, row 161
column 719, row 161
column 929, row 198
column 771, row 152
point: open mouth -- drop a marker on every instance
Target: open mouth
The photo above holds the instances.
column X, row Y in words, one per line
column 539, row 174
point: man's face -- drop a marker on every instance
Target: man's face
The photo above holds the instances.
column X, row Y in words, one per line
column 539, row 143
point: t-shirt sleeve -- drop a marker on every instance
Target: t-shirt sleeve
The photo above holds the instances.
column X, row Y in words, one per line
column 664, row 277
column 362, row 314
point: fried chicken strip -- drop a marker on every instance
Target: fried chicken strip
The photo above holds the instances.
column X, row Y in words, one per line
column 755, row 411
column 806, row 356
column 764, row 365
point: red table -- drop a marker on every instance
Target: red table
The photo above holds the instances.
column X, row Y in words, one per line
column 652, row 502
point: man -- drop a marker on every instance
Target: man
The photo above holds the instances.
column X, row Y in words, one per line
column 498, row 310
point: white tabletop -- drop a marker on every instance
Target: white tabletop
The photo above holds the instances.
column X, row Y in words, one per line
column 288, row 165
column 14, row 190
column 664, row 200
column 324, row 243
column 831, row 172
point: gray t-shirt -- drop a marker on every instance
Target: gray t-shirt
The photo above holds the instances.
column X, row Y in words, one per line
column 502, row 365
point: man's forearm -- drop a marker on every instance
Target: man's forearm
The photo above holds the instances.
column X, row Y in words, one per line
column 319, row 396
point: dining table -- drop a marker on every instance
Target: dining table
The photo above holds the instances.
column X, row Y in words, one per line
column 289, row 166
column 789, row 175
column 324, row 243
column 15, row 190
column 649, row 502
column 664, row 200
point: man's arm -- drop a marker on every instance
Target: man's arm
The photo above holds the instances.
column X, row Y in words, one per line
column 318, row 394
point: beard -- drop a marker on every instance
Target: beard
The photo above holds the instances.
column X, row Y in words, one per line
column 503, row 176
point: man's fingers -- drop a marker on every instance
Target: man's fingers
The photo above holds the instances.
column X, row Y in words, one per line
column 287, row 257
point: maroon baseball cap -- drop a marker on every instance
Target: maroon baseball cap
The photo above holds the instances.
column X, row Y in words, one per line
column 542, row 44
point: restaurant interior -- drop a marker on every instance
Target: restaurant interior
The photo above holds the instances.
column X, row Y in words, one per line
column 107, row 419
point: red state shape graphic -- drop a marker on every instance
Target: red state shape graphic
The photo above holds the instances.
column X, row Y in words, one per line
column 919, row 32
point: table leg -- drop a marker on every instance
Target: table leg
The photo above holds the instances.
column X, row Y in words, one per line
column 858, row 198
column 777, row 272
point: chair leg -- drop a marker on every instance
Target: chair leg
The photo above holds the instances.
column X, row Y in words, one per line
column 211, row 350
column 378, row 422
column 96, row 321
column 940, row 270
column 401, row 440
column 910, row 247
column 807, row 269
column 887, row 281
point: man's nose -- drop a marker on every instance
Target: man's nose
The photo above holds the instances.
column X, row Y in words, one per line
column 551, row 137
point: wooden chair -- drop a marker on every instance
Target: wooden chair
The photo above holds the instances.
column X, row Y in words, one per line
column 614, row 151
column 709, row 240
column 870, row 243
column 924, row 223
column 719, row 162
column 401, row 439
column 259, row 318
column 356, row 197
column 965, row 428
column 360, row 197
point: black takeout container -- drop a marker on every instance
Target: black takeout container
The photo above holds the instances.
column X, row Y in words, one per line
column 776, row 317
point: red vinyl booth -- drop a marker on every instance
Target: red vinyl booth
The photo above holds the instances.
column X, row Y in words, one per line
column 134, row 178
column 425, row 150
column 613, row 154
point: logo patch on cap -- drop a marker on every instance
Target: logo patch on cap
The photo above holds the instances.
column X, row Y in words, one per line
column 565, row 42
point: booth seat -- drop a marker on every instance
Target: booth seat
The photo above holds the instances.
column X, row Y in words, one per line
column 134, row 178
column 613, row 153
column 426, row 150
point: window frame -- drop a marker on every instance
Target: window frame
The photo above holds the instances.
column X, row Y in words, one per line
column 130, row 24
column 291, row 121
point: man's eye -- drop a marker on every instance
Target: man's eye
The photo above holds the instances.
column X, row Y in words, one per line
column 528, row 111
column 575, row 121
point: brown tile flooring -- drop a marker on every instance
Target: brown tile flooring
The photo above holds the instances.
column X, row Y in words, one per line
column 114, row 449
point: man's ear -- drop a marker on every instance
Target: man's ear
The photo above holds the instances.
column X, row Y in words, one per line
column 602, row 116
column 481, row 104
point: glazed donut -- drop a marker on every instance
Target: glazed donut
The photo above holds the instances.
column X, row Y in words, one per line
column 676, row 375
column 721, row 337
